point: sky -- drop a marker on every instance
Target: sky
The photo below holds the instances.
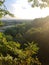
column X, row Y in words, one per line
column 22, row 10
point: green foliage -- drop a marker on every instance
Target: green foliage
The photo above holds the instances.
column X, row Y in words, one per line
column 8, row 60
column 9, row 37
column 37, row 31
column 37, row 3
column 30, row 0
column 1, row 2
column 1, row 23
column 3, row 10
column 12, row 53
column 17, row 55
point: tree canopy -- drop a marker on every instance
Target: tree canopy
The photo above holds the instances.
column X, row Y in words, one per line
column 41, row 3
column 3, row 9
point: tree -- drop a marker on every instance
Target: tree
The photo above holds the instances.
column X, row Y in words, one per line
column 3, row 9
column 8, row 46
column 11, row 51
column 41, row 3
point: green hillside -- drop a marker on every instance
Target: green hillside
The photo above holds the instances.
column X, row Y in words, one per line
column 24, row 41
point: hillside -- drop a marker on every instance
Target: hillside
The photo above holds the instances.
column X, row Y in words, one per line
column 25, row 31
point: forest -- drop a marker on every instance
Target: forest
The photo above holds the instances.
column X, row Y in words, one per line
column 15, row 49
column 25, row 43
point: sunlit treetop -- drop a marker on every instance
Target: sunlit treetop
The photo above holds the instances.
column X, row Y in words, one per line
column 3, row 9
column 39, row 3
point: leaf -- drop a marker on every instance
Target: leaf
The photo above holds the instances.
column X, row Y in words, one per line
column 30, row 0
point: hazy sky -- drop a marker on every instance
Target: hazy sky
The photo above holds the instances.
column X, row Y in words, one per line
column 23, row 10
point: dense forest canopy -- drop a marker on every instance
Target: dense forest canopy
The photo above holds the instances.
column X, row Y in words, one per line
column 15, row 48
column 37, row 31
column 16, row 43
column 11, row 51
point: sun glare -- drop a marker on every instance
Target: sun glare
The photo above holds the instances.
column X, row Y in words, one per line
column 23, row 10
